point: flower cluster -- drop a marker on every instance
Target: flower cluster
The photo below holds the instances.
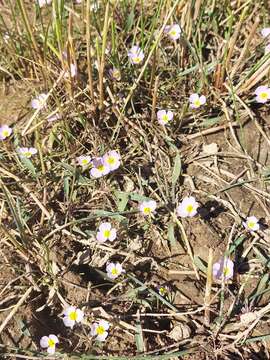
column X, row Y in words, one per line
column 100, row 166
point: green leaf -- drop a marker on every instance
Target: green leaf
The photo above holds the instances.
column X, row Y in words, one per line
column 201, row 265
column 235, row 244
column 176, row 169
column 130, row 20
column 121, row 200
column 27, row 163
column 103, row 213
column 139, row 338
column 137, row 197
column 171, row 236
column 66, row 187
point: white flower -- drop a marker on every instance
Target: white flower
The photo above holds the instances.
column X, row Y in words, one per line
column 262, row 94
column 188, row 207
column 100, row 330
column 106, row 232
column 265, row 32
column 84, row 161
column 39, row 102
column 99, row 168
column 136, row 55
column 147, row 207
column 114, row 270
column 252, row 223
column 112, row 160
column 27, row 152
column 72, row 315
column 164, row 116
column 174, row 31
column 5, row 131
column 267, row 49
column 49, row 343
column 42, row 3
column 196, row 101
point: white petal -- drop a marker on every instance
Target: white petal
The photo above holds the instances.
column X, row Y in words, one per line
column 93, row 329
column 69, row 309
column 44, row 341
column 265, row 32
column 102, row 337
column 100, row 237
column 112, row 235
column 51, row 350
column 68, row 322
column 260, row 89
column 193, row 97
column 105, row 324
column 95, row 173
column 105, row 226
column 80, row 315
column 118, row 268
column 109, row 267
column 202, row 99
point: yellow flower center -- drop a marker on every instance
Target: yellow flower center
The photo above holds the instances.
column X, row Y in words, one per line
column 189, row 208
column 114, row 271
column 84, row 161
column 100, row 330
column 51, row 343
column 73, row 315
column 136, row 59
column 116, row 74
column 226, row 271
column 101, row 167
column 5, row 133
column 197, row 102
column 27, row 154
column 251, row 224
column 111, row 160
column 173, row 32
column 264, row 95
column 147, row 210
column 106, row 233
column 162, row 291
column 165, row 118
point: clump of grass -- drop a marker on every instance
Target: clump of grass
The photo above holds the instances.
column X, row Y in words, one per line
column 133, row 168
